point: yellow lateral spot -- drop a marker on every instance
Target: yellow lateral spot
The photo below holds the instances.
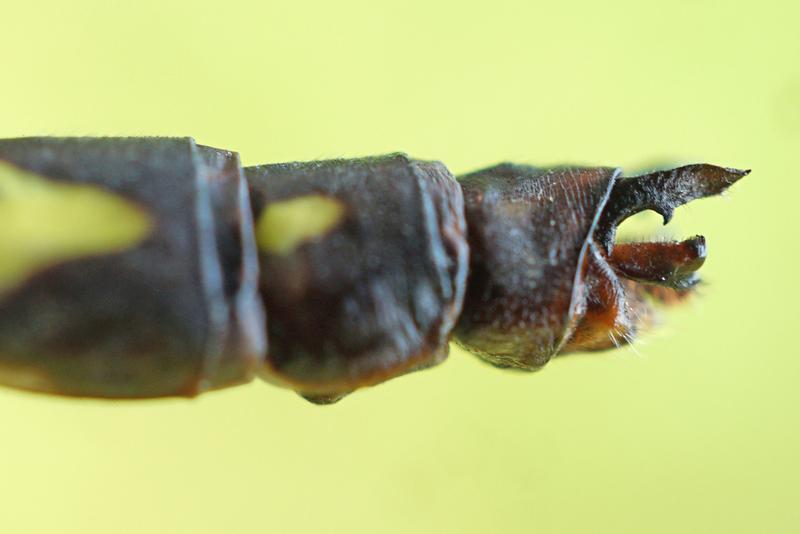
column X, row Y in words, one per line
column 285, row 225
column 44, row 222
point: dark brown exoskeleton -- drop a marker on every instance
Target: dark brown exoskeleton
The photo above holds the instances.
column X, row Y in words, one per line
column 190, row 273
column 546, row 276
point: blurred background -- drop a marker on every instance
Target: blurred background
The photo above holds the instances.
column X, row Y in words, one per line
column 696, row 430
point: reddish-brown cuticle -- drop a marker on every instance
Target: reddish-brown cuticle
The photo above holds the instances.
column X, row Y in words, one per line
column 671, row 264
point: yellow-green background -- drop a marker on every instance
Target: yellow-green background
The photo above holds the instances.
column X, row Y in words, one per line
column 698, row 433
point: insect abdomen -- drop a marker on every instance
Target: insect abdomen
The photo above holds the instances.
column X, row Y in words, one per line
column 143, row 267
